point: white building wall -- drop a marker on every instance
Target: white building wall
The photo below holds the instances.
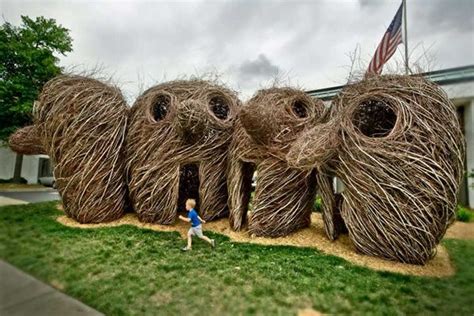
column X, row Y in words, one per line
column 462, row 94
column 462, row 90
column 29, row 168
column 7, row 162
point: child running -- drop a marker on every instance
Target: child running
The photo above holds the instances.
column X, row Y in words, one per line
column 196, row 227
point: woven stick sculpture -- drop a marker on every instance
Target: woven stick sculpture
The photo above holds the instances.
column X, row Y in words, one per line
column 177, row 145
column 396, row 143
column 266, row 127
column 26, row 141
column 81, row 124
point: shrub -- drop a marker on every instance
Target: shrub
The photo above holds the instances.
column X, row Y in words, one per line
column 464, row 214
column 317, row 206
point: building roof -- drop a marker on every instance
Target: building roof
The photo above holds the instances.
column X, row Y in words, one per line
column 441, row 77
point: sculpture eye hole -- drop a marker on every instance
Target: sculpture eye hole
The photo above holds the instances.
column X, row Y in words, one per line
column 374, row 118
column 299, row 109
column 220, row 107
column 160, row 107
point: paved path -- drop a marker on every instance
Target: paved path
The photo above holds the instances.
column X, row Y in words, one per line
column 23, row 197
column 9, row 201
column 21, row 294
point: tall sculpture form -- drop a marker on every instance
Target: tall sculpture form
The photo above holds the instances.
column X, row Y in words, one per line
column 266, row 128
column 81, row 123
column 396, row 144
column 177, row 146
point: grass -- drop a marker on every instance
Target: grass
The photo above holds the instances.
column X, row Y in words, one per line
column 464, row 214
column 130, row 271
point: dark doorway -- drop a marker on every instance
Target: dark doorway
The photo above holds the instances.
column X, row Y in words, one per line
column 247, row 189
column 188, row 185
column 44, row 168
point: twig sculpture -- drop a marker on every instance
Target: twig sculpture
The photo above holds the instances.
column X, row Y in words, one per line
column 26, row 141
column 396, row 144
column 394, row 141
column 266, row 128
column 81, row 123
column 177, row 146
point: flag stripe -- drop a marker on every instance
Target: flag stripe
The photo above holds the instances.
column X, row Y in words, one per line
column 388, row 45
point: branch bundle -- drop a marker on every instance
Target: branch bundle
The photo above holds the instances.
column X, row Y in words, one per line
column 178, row 131
column 267, row 125
column 26, row 141
column 82, row 123
column 399, row 151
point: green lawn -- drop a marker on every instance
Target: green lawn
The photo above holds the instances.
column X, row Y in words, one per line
column 130, row 271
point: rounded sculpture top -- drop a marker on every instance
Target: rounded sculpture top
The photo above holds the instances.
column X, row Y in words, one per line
column 275, row 116
column 195, row 108
column 400, row 117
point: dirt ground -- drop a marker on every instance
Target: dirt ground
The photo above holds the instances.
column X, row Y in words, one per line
column 460, row 230
column 313, row 237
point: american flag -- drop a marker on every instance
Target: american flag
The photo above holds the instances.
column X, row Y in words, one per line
column 387, row 47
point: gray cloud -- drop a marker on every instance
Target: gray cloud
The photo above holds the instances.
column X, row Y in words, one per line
column 456, row 15
column 142, row 42
column 261, row 67
column 371, row 3
column 437, row 14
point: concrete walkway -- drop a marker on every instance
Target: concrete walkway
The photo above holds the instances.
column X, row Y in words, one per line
column 27, row 189
column 9, row 201
column 18, row 196
column 21, row 294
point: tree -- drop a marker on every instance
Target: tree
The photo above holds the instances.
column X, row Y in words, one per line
column 27, row 62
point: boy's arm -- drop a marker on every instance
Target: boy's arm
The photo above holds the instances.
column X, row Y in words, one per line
column 202, row 221
column 181, row 217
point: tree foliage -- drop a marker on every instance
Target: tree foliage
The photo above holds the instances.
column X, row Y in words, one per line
column 28, row 59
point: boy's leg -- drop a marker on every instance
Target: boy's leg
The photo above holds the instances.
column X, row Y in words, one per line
column 199, row 233
column 190, row 240
column 206, row 239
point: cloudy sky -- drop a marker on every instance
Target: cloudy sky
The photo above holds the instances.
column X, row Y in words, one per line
column 249, row 44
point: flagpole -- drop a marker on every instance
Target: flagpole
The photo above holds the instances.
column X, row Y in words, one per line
column 405, row 35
